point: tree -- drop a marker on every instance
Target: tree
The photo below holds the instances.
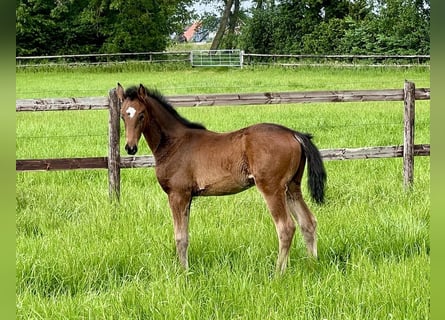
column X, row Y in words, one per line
column 326, row 38
column 229, row 15
column 229, row 23
column 88, row 26
column 79, row 35
column 234, row 20
column 259, row 34
column 46, row 27
column 403, row 26
column 138, row 26
column 34, row 29
column 222, row 24
column 339, row 26
column 285, row 24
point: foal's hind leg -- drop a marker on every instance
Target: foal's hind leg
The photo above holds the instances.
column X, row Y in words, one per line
column 180, row 207
column 304, row 216
column 285, row 226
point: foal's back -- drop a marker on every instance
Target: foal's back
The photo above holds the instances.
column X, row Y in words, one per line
column 226, row 163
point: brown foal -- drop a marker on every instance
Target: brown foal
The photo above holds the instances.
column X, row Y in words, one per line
column 193, row 161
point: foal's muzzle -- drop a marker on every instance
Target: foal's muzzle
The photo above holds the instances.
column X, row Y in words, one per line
column 131, row 150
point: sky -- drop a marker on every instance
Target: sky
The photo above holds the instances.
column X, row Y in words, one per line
column 201, row 8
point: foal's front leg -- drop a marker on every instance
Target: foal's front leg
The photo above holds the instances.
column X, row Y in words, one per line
column 180, row 207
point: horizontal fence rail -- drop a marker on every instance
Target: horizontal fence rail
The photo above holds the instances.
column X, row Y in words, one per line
column 101, row 55
column 343, row 60
column 100, row 103
column 149, row 161
column 102, row 59
column 60, row 104
column 114, row 162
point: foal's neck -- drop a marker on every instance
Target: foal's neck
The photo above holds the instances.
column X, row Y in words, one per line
column 163, row 129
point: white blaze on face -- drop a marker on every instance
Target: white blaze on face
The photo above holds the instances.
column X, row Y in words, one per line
column 131, row 112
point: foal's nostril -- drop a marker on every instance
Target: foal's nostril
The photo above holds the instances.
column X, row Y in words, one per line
column 131, row 150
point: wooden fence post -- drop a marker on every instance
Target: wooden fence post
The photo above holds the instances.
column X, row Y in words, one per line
column 114, row 170
column 409, row 96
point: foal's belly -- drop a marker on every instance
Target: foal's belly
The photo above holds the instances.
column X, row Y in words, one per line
column 224, row 186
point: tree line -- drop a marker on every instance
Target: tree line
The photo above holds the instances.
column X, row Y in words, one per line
column 49, row 27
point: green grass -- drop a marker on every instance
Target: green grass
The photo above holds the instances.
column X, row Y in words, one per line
column 97, row 81
column 80, row 257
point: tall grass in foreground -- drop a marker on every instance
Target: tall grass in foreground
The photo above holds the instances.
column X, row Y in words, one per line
column 80, row 257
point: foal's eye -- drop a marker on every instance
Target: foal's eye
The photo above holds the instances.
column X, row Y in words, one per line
column 141, row 117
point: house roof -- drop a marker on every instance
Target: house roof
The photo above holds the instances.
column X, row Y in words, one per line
column 190, row 31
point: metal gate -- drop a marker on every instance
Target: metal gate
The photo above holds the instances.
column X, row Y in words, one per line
column 217, row 58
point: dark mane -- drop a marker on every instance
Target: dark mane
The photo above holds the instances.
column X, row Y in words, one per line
column 132, row 93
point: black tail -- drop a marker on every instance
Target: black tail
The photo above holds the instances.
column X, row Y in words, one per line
column 317, row 173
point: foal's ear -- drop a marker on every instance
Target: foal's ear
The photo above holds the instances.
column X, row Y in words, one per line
column 120, row 92
column 142, row 92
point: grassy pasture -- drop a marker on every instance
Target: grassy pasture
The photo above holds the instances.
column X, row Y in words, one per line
column 80, row 257
column 96, row 81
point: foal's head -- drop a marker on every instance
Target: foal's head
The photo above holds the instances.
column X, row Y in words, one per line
column 134, row 114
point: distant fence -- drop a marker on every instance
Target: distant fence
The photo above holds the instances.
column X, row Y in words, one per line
column 229, row 58
column 338, row 60
column 102, row 59
column 216, row 58
column 114, row 162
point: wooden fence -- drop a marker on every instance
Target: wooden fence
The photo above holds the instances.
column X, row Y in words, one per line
column 353, row 60
column 114, row 162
